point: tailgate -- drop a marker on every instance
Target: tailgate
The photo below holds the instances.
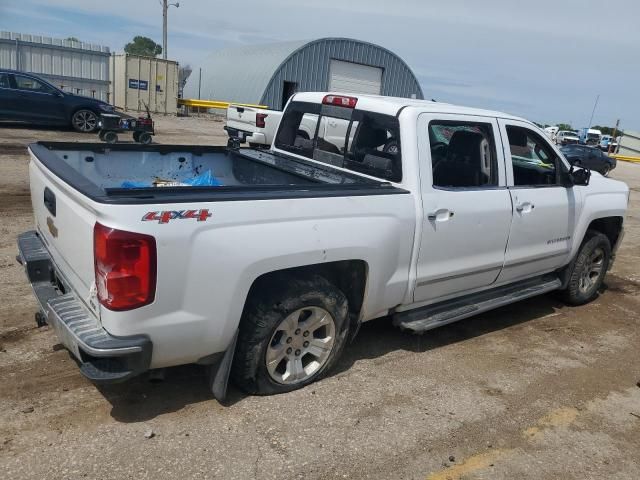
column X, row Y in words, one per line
column 242, row 118
column 64, row 220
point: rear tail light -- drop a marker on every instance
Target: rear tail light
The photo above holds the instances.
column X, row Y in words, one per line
column 260, row 120
column 340, row 101
column 125, row 268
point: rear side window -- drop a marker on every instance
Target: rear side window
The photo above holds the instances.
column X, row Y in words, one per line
column 463, row 154
column 357, row 140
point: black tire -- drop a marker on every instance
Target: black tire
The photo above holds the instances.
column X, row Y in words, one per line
column 136, row 136
column 84, row 121
column 110, row 137
column 594, row 244
column 606, row 170
column 144, row 138
column 101, row 135
column 266, row 312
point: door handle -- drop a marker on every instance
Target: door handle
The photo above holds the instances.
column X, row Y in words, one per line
column 440, row 215
column 522, row 207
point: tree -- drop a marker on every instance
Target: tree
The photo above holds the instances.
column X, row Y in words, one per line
column 143, row 46
column 72, row 39
column 565, row 126
column 607, row 130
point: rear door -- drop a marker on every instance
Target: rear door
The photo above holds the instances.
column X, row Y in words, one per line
column 545, row 211
column 466, row 205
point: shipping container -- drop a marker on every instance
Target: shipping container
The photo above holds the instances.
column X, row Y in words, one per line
column 138, row 82
column 75, row 67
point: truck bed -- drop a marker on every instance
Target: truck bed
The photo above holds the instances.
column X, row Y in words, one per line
column 125, row 174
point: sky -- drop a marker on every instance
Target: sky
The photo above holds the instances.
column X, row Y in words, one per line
column 545, row 60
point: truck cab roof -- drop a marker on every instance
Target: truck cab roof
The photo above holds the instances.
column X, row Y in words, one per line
column 393, row 105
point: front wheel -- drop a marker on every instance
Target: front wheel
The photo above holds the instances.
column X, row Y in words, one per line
column 606, row 170
column 84, row 121
column 588, row 271
column 291, row 335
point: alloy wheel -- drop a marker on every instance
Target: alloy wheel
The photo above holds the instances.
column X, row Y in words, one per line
column 592, row 271
column 300, row 345
column 85, row 121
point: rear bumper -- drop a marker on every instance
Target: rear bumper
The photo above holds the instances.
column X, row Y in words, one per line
column 246, row 137
column 103, row 358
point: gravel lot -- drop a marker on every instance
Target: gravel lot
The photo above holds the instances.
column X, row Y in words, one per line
column 536, row 390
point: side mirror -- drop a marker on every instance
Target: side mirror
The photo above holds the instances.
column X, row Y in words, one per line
column 578, row 174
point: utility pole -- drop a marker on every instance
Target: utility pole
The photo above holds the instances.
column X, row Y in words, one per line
column 592, row 113
column 615, row 132
column 199, row 82
column 165, row 9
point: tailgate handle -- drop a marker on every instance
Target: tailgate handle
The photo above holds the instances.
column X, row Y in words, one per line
column 239, row 109
column 50, row 201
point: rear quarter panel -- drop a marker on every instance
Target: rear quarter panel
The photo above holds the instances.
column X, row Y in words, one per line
column 205, row 269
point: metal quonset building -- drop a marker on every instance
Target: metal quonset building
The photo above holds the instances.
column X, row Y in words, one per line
column 270, row 74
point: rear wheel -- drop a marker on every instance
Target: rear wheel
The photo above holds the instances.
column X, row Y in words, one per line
column 144, row 138
column 136, row 136
column 84, row 121
column 290, row 336
column 588, row 271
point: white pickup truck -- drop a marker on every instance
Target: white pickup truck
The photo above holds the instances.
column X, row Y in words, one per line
column 263, row 264
column 252, row 125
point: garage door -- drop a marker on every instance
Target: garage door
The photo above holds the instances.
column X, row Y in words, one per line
column 350, row 77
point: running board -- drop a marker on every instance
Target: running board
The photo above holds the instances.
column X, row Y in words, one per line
column 432, row 316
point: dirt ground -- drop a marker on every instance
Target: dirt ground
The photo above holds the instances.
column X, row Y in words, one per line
column 536, row 390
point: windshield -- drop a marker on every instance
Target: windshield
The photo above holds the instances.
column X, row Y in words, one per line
column 593, row 136
column 357, row 140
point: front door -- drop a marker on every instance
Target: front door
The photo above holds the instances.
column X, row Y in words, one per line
column 466, row 205
column 545, row 210
column 38, row 101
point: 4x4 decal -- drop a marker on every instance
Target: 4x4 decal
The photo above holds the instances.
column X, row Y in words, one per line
column 167, row 215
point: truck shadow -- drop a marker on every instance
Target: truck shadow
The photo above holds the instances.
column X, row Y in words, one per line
column 142, row 399
column 379, row 337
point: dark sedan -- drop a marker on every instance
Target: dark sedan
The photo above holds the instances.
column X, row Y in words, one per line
column 27, row 98
column 590, row 157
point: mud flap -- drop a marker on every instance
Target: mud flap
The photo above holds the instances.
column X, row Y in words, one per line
column 219, row 374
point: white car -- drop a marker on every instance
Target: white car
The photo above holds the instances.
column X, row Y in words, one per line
column 567, row 137
column 262, row 264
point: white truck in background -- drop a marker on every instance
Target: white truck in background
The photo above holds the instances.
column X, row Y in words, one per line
column 252, row 125
column 263, row 264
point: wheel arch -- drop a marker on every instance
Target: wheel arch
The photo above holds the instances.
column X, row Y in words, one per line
column 349, row 276
column 611, row 227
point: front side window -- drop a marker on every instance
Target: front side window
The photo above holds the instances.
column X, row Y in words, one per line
column 463, row 154
column 357, row 140
column 4, row 80
column 534, row 161
column 31, row 84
